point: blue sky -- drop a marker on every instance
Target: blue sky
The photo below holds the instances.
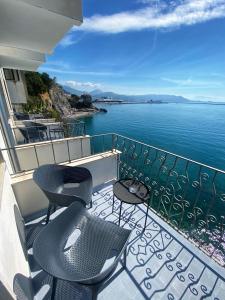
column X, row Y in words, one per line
column 145, row 46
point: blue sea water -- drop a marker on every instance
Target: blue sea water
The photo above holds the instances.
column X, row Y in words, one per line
column 196, row 131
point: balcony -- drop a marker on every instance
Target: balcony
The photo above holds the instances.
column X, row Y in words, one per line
column 160, row 263
column 180, row 255
column 41, row 130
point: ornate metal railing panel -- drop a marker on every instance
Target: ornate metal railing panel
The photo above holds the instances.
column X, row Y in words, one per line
column 188, row 195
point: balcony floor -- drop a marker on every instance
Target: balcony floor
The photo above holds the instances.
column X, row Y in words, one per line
column 161, row 264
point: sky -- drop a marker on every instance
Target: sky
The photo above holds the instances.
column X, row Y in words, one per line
column 136, row 47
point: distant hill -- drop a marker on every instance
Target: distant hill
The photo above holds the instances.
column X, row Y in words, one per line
column 96, row 94
column 70, row 90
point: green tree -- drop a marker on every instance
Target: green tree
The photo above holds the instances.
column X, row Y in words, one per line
column 35, row 84
column 86, row 100
column 47, row 80
column 74, row 100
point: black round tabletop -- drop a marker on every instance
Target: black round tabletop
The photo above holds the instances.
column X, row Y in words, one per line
column 131, row 191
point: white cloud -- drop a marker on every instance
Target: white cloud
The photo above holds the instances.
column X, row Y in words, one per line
column 48, row 68
column 67, row 40
column 194, row 83
column 211, row 98
column 155, row 15
column 57, row 64
column 177, row 81
column 86, row 86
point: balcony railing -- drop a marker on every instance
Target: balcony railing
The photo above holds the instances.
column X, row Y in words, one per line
column 188, row 195
column 45, row 132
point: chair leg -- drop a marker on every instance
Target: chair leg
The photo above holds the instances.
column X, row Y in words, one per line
column 94, row 291
column 120, row 212
column 54, row 282
column 113, row 203
column 48, row 213
column 54, row 208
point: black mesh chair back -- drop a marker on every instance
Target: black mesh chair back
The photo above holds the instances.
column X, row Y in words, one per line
column 64, row 184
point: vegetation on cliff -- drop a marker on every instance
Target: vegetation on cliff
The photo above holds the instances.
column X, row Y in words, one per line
column 38, row 83
column 39, row 100
column 47, row 97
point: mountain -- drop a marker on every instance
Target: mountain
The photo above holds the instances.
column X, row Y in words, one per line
column 70, row 90
column 139, row 98
column 97, row 94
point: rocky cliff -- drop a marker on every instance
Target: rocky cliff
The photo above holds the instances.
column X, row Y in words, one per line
column 60, row 101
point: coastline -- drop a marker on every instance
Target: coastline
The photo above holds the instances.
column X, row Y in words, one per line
column 82, row 113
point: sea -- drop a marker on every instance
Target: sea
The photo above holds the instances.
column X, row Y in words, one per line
column 195, row 131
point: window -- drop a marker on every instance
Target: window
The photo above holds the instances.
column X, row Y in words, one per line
column 11, row 74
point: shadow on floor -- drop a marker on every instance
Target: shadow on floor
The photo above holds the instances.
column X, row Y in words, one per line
column 159, row 266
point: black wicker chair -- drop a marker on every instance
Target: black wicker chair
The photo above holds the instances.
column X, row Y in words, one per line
column 79, row 247
column 63, row 185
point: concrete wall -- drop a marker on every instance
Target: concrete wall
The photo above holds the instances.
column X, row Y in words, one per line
column 58, row 151
column 14, row 268
column 31, row 199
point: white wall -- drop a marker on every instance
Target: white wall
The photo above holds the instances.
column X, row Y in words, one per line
column 17, row 90
column 14, row 268
column 31, row 199
column 31, row 156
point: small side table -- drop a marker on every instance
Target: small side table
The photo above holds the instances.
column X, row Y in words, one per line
column 131, row 192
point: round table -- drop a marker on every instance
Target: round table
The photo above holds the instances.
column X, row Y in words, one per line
column 131, row 191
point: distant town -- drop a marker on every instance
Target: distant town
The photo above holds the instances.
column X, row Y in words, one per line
column 107, row 100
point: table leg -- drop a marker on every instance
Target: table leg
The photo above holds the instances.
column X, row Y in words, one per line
column 91, row 203
column 120, row 211
column 125, row 258
column 146, row 217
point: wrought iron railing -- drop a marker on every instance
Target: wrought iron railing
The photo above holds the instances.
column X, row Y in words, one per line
column 45, row 132
column 188, row 195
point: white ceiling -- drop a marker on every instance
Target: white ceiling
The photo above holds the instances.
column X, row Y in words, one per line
column 68, row 8
column 31, row 29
